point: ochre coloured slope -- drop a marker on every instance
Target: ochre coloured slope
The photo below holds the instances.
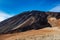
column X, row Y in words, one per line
column 42, row 34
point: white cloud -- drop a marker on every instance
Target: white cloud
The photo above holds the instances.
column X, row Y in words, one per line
column 4, row 16
column 55, row 9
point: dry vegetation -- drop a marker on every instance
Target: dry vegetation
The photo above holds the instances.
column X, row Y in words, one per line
column 43, row 34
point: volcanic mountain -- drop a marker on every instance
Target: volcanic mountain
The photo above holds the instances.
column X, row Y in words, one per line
column 28, row 20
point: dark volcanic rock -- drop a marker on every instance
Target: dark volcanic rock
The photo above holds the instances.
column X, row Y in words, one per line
column 26, row 21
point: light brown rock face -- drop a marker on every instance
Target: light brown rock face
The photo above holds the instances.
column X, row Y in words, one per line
column 42, row 34
column 54, row 22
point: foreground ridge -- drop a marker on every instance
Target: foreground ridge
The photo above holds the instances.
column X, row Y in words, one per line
column 41, row 34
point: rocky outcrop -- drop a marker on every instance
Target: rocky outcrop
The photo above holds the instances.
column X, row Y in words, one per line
column 54, row 22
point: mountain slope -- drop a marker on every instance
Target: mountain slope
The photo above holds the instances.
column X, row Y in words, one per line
column 26, row 21
column 41, row 34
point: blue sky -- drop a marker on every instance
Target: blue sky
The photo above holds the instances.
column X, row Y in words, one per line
column 9, row 8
